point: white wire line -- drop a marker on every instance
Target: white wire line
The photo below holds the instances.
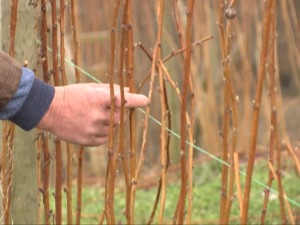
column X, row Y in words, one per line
column 262, row 184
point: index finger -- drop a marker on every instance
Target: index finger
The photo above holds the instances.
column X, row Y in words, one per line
column 132, row 100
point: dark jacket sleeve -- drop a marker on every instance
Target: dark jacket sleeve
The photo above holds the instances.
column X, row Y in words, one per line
column 24, row 99
column 10, row 74
column 35, row 105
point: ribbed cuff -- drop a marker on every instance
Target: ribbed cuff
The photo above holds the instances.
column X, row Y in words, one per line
column 35, row 106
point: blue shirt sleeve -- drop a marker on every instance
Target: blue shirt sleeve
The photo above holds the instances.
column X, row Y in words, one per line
column 30, row 102
column 14, row 105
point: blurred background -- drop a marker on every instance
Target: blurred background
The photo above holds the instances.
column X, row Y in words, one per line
column 94, row 26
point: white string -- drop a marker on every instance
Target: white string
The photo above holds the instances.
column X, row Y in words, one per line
column 179, row 137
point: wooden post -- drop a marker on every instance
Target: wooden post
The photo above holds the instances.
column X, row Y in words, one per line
column 1, row 29
column 24, row 188
column 1, row 209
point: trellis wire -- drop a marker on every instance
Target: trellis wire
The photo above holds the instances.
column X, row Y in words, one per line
column 262, row 184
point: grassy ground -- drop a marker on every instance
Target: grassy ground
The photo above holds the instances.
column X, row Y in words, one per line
column 206, row 197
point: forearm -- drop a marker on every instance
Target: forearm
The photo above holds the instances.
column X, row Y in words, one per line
column 35, row 105
column 25, row 99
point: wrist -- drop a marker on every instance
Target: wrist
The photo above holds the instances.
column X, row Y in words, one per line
column 52, row 114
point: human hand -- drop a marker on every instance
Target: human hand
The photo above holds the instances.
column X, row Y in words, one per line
column 80, row 113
